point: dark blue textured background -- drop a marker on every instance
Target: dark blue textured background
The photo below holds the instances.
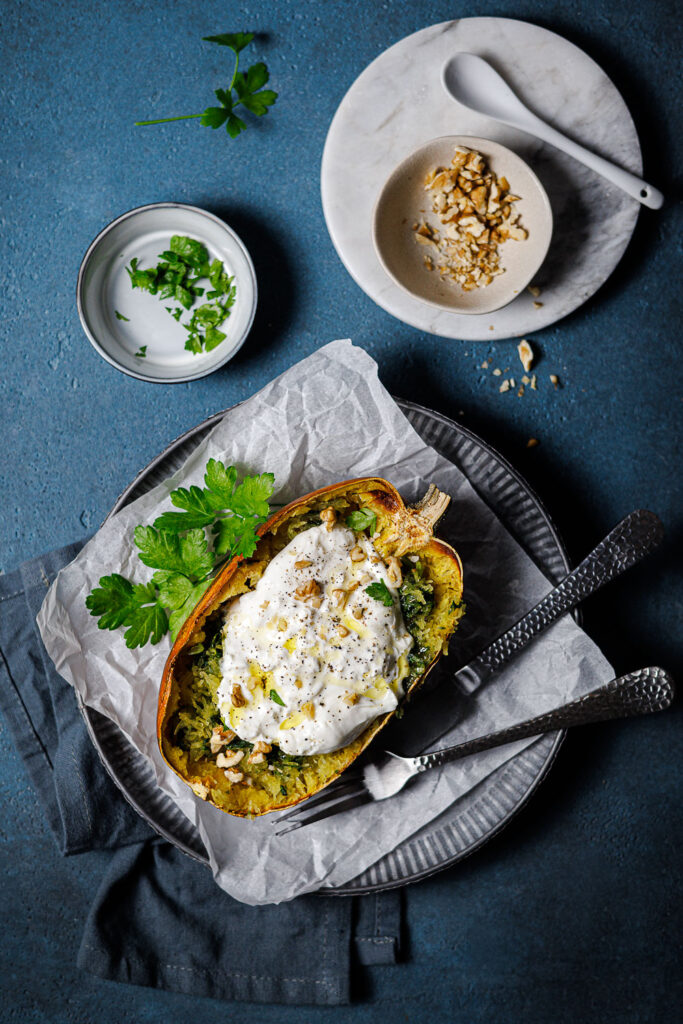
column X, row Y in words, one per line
column 572, row 914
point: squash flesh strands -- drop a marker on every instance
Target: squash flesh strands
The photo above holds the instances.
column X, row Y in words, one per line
column 187, row 711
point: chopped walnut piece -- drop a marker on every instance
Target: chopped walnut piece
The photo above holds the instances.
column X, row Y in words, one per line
column 505, row 386
column 256, row 758
column 342, row 631
column 535, row 290
column 538, row 305
column 233, row 776
column 357, row 554
column 328, row 516
column 555, row 380
column 394, row 572
column 497, row 372
column 261, row 747
column 229, row 760
column 237, row 697
column 200, row 790
column 219, row 738
column 351, row 698
column 526, row 354
column 305, row 591
column 532, row 442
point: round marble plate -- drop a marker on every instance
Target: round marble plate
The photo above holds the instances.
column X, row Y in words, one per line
column 480, row 813
column 398, row 103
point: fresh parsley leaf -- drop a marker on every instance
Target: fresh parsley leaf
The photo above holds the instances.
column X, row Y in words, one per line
column 235, row 125
column 192, row 252
column 215, row 117
column 236, row 536
column 141, row 352
column 162, row 550
column 362, row 519
column 243, row 90
column 250, row 498
column 120, row 316
column 116, row 599
column 117, row 602
column 275, row 696
column 149, row 623
column 212, row 338
column 220, row 480
column 179, row 595
column 144, row 279
column 380, row 591
column 235, row 40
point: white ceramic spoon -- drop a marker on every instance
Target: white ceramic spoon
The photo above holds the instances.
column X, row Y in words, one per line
column 473, row 82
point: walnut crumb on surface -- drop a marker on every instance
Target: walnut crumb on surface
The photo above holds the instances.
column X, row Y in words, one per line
column 526, row 354
column 505, row 386
column 555, row 380
column 537, row 305
column 532, row 442
column 497, row 372
column 535, row 290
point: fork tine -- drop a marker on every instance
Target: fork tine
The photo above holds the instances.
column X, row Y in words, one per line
column 344, row 804
column 330, row 793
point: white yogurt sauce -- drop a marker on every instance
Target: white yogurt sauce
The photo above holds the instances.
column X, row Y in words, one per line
column 331, row 686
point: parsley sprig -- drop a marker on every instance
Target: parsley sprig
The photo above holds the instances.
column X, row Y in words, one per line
column 177, row 547
column 245, row 90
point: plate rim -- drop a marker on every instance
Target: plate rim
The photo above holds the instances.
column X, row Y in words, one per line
column 347, row 889
column 80, row 290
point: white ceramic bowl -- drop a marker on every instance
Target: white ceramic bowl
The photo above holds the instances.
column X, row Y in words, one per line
column 104, row 288
column 403, row 201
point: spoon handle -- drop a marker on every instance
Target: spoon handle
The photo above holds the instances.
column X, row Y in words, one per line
column 629, row 183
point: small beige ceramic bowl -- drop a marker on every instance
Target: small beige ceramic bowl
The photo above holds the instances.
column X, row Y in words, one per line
column 403, row 201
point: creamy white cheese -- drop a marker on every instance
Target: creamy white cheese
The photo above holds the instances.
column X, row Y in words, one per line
column 335, row 667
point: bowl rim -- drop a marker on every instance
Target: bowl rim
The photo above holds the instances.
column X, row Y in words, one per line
column 456, row 139
column 80, row 292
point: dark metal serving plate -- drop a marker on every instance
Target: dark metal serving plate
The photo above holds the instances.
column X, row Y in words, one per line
column 478, row 815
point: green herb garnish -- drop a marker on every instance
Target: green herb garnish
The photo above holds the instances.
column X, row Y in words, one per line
column 380, row 592
column 275, row 696
column 175, row 277
column 416, row 595
column 120, row 316
column 176, row 547
column 362, row 519
column 141, row 352
column 244, row 90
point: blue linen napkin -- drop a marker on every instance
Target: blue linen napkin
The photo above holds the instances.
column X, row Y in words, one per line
column 158, row 918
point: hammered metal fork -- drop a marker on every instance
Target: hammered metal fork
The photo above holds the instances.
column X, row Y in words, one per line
column 638, row 693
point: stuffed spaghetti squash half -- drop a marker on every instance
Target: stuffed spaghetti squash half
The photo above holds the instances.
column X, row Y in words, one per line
column 294, row 659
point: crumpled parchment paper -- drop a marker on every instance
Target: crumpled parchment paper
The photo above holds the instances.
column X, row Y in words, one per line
column 326, row 419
